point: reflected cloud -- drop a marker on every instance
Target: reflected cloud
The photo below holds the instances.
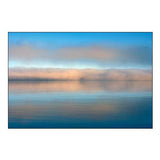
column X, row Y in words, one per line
column 115, row 113
column 80, row 104
column 78, row 86
column 90, row 110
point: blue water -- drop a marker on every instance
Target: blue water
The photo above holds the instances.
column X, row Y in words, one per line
column 85, row 104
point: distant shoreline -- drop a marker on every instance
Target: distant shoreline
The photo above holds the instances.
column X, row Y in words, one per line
column 81, row 80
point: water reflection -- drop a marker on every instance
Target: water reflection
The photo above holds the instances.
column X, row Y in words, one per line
column 80, row 104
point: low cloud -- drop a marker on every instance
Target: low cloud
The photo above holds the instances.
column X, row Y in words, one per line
column 97, row 54
column 30, row 53
column 77, row 74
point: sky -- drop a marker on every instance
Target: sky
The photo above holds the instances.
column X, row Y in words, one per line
column 80, row 55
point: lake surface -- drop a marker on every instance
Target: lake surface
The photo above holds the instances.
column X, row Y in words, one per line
column 80, row 104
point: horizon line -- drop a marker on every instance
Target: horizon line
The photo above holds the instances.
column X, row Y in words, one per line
column 45, row 79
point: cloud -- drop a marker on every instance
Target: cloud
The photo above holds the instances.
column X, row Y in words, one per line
column 77, row 74
column 27, row 53
column 100, row 55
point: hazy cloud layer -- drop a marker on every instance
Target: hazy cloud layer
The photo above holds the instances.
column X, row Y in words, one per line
column 77, row 74
column 97, row 54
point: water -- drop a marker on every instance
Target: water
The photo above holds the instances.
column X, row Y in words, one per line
column 80, row 104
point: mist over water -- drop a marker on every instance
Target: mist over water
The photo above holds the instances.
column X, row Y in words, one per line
column 80, row 104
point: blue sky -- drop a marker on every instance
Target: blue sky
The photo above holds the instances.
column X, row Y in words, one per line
column 81, row 38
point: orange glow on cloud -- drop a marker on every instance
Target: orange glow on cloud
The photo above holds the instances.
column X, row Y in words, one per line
column 80, row 74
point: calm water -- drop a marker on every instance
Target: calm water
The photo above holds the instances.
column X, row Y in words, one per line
column 74, row 104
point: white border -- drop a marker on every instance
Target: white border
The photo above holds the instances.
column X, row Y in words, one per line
column 81, row 15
